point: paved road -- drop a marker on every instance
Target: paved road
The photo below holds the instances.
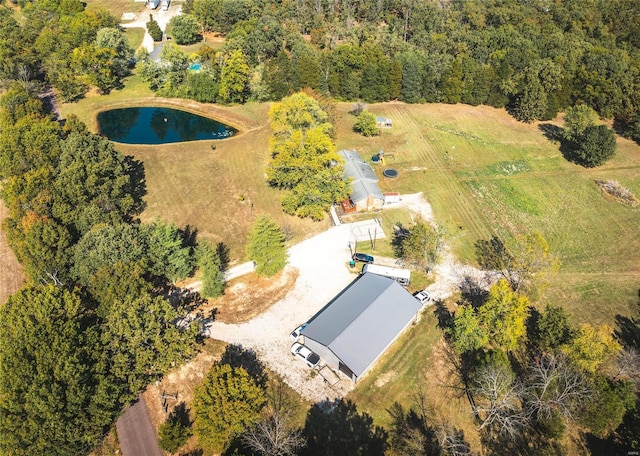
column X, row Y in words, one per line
column 136, row 434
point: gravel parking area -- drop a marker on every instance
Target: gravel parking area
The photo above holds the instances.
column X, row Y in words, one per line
column 322, row 262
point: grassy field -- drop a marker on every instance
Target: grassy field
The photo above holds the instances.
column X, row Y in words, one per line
column 485, row 173
column 218, row 192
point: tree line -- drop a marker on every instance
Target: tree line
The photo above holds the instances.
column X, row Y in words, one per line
column 533, row 58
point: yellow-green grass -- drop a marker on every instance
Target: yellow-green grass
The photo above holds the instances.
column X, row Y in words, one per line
column 135, row 36
column 116, row 7
column 414, row 366
column 217, row 192
column 486, row 174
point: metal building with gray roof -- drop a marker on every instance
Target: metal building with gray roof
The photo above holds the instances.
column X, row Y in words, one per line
column 357, row 326
column 365, row 193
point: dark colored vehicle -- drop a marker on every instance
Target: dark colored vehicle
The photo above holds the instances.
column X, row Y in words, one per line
column 362, row 257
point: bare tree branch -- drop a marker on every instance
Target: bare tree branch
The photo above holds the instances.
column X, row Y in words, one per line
column 553, row 385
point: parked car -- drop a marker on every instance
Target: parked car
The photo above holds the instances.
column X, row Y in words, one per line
column 165, row 4
column 422, row 296
column 295, row 334
column 362, row 257
column 303, row 352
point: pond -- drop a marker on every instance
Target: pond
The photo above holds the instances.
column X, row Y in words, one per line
column 155, row 125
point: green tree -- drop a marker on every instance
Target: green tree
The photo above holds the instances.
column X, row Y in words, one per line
column 95, row 184
column 112, row 281
column 531, row 104
column 576, row 119
column 234, row 78
column 609, row 403
column 210, row 265
column 154, row 29
column 169, row 255
column 595, row 146
column 419, row 246
column 143, row 337
column 266, row 247
column 553, row 328
column 50, row 386
column 104, row 245
column 468, row 333
column 175, row 65
column 43, row 247
column 176, row 430
column 225, row 404
column 366, row 124
column 184, row 28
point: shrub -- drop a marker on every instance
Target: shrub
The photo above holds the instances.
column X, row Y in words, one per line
column 618, row 192
column 154, row 29
column 366, row 124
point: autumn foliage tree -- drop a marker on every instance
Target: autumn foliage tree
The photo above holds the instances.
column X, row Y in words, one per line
column 303, row 157
column 527, row 258
column 499, row 323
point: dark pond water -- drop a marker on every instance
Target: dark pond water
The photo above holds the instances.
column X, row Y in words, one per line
column 158, row 126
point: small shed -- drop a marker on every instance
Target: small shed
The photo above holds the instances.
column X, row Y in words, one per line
column 384, row 122
column 356, row 327
column 365, row 193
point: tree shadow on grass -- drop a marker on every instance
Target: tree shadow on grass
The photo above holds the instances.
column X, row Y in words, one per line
column 223, row 251
column 236, row 356
column 628, row 329
column 444, row 316
column 555, row 134
column 335, row 428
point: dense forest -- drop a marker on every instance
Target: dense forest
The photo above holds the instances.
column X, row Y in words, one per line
column 535, row 58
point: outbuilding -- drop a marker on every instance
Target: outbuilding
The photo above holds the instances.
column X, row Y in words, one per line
column 356, row 327
column 365, row 193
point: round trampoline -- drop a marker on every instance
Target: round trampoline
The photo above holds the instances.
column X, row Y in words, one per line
column 390, row 172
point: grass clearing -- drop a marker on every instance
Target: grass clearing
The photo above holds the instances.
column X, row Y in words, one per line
column 414, row 365
column 218, row 192
column 116, row 7
column 484, row 173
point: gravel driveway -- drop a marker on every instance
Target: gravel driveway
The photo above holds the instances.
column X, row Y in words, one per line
column 140, row 21
column 322, row 262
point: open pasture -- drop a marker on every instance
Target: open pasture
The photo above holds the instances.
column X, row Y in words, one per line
column 487, row 174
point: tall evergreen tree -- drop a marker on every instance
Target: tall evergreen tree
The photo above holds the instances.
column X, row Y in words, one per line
column 266, row 247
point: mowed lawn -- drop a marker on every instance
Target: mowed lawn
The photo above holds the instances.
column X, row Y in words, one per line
column 487, row 174
column 217, row 192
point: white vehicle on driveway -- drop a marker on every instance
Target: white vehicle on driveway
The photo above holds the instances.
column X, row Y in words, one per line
column 303, row 352
column 295, row 334
column 423, row 297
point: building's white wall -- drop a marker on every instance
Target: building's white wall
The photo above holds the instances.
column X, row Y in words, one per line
column 327, row 355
